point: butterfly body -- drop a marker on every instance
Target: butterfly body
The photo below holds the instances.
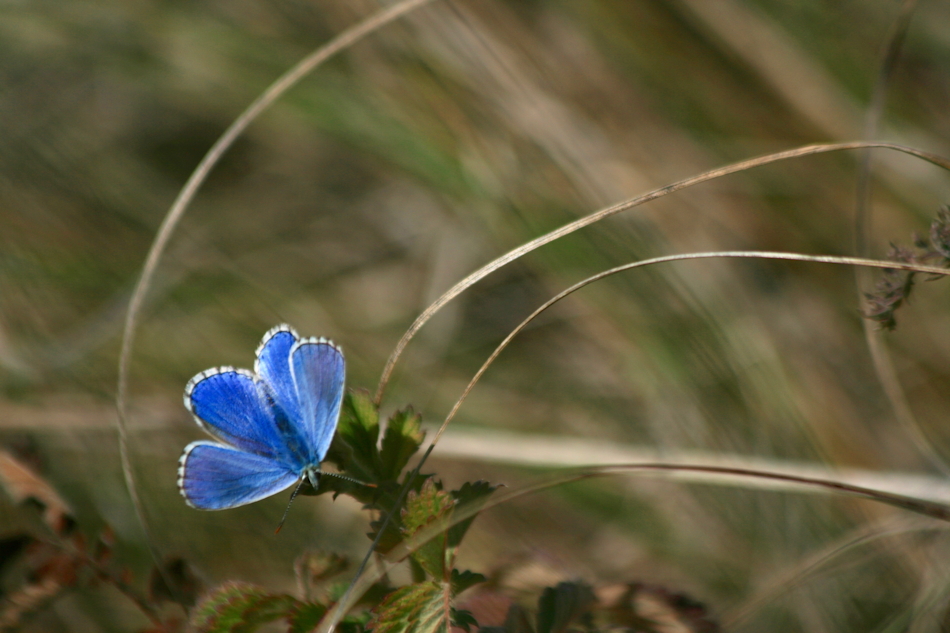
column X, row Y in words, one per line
column 272, row 426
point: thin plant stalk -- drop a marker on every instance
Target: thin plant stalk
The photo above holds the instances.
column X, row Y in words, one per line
column 881, row 359
column 338, row 44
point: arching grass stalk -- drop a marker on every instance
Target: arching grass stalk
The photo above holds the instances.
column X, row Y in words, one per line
column 881, row 359
column 823, row 259
column 780, row 584
column 338, row 44
column 361, row 584
column 353, row 592
column 576, row 225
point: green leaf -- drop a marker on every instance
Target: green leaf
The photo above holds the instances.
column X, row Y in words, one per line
column 462, row 580
column 470, row 493
column 241, row 608
column 559, row 606
column 424, row 508
column 385, row 503
column 463, row 619
column 353, row 624
column 390, row 539
column 419, row 608
column 358, row 431
column 306, row 617
column 402, row 439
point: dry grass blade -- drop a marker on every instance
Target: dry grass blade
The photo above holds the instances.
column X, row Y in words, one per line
column 787, row 579
column 880, row 356
column 544, row 451
column 824, row 259
column 571, row 227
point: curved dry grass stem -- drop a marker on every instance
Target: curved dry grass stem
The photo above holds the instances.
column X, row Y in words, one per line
column 780, row 584
column 823, row 259
column 360, row 585
column 571, row 227
column 880, row 354
column 341, row 42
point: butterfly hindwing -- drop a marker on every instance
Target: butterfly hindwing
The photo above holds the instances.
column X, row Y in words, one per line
column 318, row 370
column 216, row 477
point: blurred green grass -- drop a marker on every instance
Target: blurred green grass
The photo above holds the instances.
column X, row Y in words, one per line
column 432, row 147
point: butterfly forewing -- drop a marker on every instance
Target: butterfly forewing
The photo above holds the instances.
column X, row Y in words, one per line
column 318, row 370
column 231, row 405
column 273, row 366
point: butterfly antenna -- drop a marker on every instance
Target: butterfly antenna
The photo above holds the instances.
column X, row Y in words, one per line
column 350, row 479
column 292, row 497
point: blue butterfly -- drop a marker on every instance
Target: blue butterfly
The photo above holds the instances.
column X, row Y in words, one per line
column 275, row 425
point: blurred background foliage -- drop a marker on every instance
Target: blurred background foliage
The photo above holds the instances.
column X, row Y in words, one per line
column 425, row 151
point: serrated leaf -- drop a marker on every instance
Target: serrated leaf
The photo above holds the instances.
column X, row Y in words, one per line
column 463, row 619
column 462, row 580
column 425, row 508
column 358, row 430
column 354, row 623
column 386, row 501
column 419, row 608
column 559, row 606
column 401, row 440
column 306, row 617
column 241, row 608
column 471, row 493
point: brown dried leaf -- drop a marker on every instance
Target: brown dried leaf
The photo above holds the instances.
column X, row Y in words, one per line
column 22, row 484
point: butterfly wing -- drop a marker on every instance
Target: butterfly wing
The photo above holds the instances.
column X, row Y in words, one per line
column 273, row 366
column 234, row 406
column 318, row 371
column 212, row 476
